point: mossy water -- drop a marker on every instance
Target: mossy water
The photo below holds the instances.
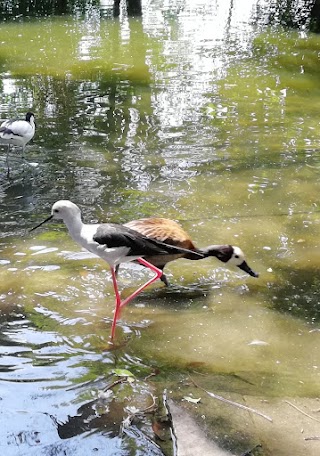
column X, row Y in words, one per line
column 141, row 117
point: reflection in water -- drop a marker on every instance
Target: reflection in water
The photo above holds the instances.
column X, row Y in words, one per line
column 192, row 111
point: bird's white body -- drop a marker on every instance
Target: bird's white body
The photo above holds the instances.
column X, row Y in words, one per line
column 17, row 132
column 83, row 234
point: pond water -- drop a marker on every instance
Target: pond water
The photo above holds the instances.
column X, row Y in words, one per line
column 196, row 111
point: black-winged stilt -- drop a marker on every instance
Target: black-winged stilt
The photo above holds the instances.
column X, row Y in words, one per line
column 115, row 244
column 172, row 233
column 17, row 133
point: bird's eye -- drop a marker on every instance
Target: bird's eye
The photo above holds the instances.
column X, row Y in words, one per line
column 56, row 211
column 236, row 256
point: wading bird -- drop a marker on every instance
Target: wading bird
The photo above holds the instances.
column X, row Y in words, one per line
column 115, row 244
column 17, row 133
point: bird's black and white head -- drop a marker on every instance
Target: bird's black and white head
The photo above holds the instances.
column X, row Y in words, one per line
column 238, row 259
column 30, row 117
column 234, row 256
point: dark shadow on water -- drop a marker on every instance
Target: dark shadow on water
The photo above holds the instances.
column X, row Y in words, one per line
column 88, row 419
column 174, row 295
column 297, row 294
column 110, row 415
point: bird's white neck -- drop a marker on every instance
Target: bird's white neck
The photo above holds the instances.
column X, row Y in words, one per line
column 82, row 233
column 74, row 225
column 31, row 122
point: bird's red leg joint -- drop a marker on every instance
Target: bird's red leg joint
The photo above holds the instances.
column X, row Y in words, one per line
column 158, row 274
column 119, row 304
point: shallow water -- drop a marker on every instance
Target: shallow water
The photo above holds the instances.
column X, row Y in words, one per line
column 198, row 112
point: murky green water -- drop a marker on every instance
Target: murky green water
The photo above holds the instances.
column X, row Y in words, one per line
column 198, row 112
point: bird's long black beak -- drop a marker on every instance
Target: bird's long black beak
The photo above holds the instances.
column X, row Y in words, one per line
column 246, row 268
column 45, row 221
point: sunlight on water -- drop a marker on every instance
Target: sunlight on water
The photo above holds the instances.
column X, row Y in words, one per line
column 197, row 112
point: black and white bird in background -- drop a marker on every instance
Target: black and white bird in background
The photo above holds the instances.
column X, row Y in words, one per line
column 17, row 133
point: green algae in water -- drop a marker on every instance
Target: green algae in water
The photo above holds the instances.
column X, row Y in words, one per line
column 258, row 103
column 67, row 48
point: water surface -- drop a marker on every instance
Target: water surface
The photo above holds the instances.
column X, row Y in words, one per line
column 198, row 112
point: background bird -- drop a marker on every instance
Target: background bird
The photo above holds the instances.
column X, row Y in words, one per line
column 172, row 233
column 17, row 133
column 115, row 244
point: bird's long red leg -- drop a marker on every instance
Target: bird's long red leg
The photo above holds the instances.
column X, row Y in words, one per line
column 118, row 303
column 158, row 274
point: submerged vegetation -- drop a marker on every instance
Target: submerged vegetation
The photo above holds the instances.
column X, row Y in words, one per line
column 156, row 115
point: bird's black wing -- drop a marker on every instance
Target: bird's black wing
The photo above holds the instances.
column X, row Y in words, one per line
column 114, row 235
column 5, row 129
